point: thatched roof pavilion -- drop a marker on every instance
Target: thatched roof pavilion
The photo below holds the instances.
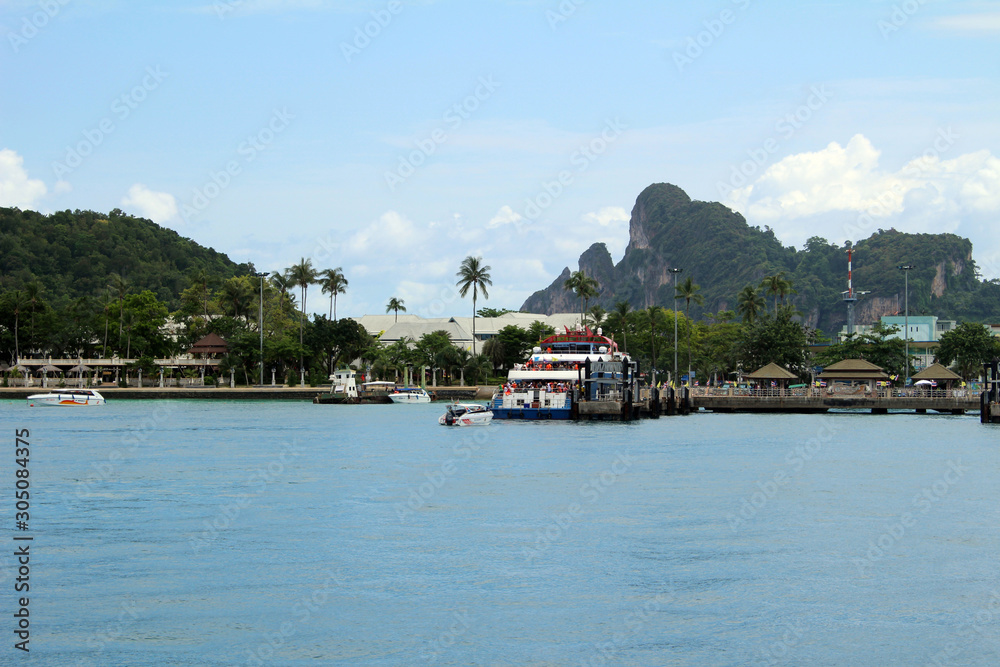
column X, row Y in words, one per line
column 939, row 374
column 773, row 371
column 853, row 370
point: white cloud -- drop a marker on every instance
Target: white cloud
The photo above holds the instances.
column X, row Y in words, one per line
column 390, row 231
column 608, row 216
column 160, row 207
column 16, row 189
column 842, row 192
column 505, row 216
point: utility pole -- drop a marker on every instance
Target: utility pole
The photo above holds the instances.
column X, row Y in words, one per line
column 674, row 376
column 905, row 268
column 260, row 325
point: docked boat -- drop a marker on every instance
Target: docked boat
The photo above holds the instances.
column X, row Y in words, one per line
column 466, row 414
column 409, row 395
column 67, row 397
column 581, row 364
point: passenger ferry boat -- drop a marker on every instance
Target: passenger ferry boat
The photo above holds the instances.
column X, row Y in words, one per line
column 67, row 397
column 543, row 387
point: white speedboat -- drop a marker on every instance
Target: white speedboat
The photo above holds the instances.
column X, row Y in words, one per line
column 409, row 395
column 67, row 397
column 466, row 414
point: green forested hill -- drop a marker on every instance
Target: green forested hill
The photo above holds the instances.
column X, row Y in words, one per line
column 73, row 253
column 719, row 251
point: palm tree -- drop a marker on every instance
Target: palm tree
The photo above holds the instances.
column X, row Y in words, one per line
column 597, row 315
column 282, row 282
column 200, row 279
column 495, row 350
column 120, row 287
column 778, row 285
column 236, row 295
column 688, row 291
column 333, row 283
column 652, row 313
column 584, row 287
column 473, row 273
column 106, row 303
column 33, row 295
column 749, row 304
column 395, row 305
column 18, row 301
column 622, row 309
column 302, row 274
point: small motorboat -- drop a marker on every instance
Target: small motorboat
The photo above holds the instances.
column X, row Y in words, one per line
column 466, row 414
column 409, row 395
column 67, row 397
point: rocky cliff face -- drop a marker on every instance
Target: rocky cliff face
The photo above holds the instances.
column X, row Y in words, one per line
column 596, row 263
column 719, row 251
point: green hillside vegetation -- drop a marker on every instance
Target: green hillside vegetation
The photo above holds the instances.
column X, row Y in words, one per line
column 718, row 250
column 72, row 254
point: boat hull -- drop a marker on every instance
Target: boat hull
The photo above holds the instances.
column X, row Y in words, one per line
column 62, row 400
column 532, row 413
column 409, row 398
column 476, row 419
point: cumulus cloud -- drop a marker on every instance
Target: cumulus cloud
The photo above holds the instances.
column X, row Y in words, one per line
column 843, row 192
column 160, row 207
column 16, row 189
column 390, row 231
column 505, row 216
column 608, row 216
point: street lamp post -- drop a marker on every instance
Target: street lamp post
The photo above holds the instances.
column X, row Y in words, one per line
column 675, row 272
column 260, row 325
column 905, row 268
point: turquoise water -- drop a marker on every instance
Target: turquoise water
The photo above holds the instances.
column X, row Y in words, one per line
column 283, row 533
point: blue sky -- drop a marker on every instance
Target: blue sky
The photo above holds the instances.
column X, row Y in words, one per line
column 392, row 139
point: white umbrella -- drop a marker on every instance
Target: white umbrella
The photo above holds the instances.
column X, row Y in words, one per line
column 923, row 382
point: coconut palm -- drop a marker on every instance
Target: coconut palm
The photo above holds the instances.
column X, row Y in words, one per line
column 119, row 286
column 333, row 283
column 749, row 304
column 235, row 297
column 778, row 285
column 395, row 305
column 584, row 287
column 688, row 290
column 282, row 282
column 473, row 273
column 199, row 279
column 106, row 305
column 33, row 296
column 302, row 274
column 597, row 315
column 621, row 311
column 18, row 301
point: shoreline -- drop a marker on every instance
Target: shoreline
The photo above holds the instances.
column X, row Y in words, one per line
column 237, row 393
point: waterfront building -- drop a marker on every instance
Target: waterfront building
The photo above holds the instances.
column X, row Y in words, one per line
column 389, row 330
column 925, row 332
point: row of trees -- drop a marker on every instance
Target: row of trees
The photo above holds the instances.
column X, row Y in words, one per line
column 722, row 345
column 130, row 322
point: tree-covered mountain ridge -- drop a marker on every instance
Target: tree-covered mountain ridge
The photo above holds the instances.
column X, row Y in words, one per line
column 722, row 253
column 73, row 253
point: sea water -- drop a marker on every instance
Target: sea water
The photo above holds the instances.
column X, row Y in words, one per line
column 285, row 533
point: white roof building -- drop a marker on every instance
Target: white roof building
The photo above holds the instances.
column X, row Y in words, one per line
column 459, row 329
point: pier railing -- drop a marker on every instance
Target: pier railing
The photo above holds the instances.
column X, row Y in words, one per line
column 834, row 391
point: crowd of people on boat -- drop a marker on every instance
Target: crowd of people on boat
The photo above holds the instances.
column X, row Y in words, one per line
column 548, row 366
column 513, row 386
